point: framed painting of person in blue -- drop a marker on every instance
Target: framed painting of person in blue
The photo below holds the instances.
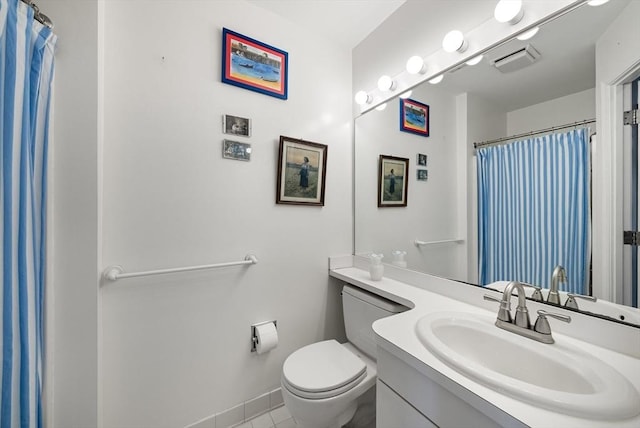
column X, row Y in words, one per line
column 392, row 181
column 302, row 169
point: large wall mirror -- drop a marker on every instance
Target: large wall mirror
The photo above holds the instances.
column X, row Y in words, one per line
column 551, row 83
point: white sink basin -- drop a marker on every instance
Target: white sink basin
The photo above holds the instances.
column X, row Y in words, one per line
column 557, row 376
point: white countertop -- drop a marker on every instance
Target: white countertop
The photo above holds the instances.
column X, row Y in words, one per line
column 399, row 332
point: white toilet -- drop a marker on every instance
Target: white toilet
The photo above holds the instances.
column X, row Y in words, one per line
column 321, row 382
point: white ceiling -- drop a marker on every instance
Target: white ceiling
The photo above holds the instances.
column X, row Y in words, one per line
column 346, row 21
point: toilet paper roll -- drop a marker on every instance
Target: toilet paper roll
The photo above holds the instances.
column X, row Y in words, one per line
column 267, row 336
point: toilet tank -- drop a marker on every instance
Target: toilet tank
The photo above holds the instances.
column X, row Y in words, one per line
column 360, row 309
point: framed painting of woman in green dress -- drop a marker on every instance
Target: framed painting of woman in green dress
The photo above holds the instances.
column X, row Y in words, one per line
column 301, row 172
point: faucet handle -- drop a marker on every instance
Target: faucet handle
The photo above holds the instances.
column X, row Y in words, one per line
column 537, row 294
column 542, row 324
column 571, row 300
column 503, row 314
column 491, row 298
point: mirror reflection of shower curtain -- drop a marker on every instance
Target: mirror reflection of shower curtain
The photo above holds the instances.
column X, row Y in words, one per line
column 533, row 210
column 26, row 70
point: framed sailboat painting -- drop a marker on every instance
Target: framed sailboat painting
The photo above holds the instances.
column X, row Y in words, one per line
column 254, row 65
column 414, row 117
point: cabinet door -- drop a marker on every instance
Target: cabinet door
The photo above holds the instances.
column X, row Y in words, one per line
column 393, row 412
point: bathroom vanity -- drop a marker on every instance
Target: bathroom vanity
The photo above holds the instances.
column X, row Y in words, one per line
column 444, row 362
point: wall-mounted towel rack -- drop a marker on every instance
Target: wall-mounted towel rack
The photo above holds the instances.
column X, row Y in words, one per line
column 418, row 242
column 114, row 273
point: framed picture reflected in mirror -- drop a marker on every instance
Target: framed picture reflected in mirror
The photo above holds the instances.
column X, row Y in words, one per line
column 392, row 181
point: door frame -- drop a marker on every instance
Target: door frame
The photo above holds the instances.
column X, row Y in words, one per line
column 607, row 248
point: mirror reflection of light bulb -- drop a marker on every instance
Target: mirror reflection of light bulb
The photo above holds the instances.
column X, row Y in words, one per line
column 597, row 2
column 436, row 79
column 381, row 107
column 405, row 95
column 475, row 60
column 528, row 34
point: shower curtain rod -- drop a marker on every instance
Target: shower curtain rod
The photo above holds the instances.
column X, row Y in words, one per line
column 530, row 133
column 39, row 16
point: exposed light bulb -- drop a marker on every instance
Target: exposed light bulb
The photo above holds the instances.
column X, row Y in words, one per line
column 416, row 65
column 436, row 79
column 386, row 83
column 475, row 60
column 509, row 11
column 381, row 107
column 362, row 98
column 597, row 2
column 454, row 41
column 405, row 95
column 528, row 34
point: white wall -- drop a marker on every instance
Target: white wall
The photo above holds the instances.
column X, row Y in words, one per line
column 482, row 121
column 559, row 111
column 175, row 348
column 72, row 354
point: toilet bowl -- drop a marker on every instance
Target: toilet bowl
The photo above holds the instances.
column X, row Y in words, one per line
column 322, row 382
column 331, row 387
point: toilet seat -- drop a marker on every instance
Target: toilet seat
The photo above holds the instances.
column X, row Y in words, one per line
column 322, row 370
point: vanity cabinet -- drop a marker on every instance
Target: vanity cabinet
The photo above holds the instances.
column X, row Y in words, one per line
column 408, row 397
column 392, row 411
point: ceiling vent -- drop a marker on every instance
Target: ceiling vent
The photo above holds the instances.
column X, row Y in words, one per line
column 517, row 60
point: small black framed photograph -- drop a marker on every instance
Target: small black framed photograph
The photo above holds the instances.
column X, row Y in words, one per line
column 421, row 159
column 422, row 174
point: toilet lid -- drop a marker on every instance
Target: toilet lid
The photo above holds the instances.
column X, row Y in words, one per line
column 321, row 367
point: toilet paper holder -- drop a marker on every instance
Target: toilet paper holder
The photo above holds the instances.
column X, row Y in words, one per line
column 254, row 336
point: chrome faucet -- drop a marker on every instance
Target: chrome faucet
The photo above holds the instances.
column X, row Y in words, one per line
column 520, row 323
column 559, row 275
column 521, row 318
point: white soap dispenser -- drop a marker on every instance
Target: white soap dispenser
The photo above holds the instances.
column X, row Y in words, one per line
column 376, row 268
column 398, row 258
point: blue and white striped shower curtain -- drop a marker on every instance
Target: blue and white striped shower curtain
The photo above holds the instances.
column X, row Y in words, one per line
column 26, row 70
column 533, row 210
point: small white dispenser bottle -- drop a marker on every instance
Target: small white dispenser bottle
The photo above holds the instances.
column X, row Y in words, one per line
column 376, row 268
column 398, row 258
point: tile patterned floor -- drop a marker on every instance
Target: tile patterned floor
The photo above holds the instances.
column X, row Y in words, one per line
column 277, row 418
column 281, row 418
